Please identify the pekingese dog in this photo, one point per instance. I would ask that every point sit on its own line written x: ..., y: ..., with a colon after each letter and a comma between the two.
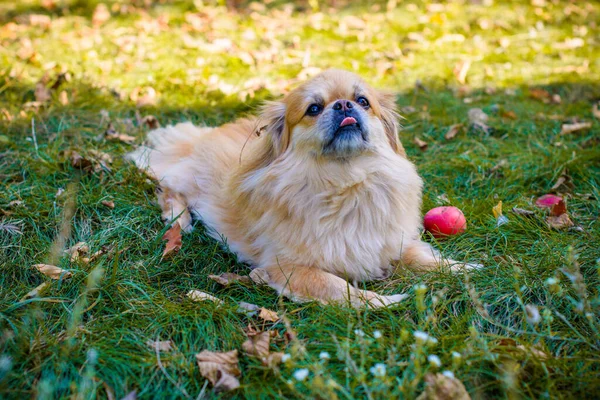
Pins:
x: 315, y: 193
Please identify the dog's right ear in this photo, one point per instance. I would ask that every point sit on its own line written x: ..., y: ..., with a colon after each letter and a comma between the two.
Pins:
x: 272, y: 118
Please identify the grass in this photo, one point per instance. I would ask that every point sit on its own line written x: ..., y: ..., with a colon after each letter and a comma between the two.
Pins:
x: 84, y: 337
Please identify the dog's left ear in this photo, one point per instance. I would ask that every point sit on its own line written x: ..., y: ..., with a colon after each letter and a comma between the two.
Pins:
x: 273, y: 117
x: 389, y: 118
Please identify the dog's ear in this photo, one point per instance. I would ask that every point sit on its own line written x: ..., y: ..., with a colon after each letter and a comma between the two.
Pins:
x: 272, y: 119
x: 389, y: 118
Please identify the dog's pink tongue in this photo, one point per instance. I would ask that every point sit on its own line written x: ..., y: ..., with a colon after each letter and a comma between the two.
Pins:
x: 348, y: 121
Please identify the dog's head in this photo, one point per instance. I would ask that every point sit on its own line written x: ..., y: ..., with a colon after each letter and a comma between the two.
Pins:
x: 334, y: 115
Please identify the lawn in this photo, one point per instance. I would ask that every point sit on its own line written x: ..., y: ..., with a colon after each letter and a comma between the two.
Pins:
x: 79, y: 84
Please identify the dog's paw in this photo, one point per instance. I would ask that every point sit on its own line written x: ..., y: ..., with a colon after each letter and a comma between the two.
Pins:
x: 385, y: 301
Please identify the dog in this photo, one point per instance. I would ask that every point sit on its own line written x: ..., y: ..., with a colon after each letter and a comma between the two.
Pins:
x: 315, y: 193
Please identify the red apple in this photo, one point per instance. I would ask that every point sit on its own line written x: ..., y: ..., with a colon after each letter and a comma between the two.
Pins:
x: 445, y: 221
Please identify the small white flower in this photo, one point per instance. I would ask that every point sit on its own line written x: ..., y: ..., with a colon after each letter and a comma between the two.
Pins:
x: 420, y: 288
x: 324, y: 355
x: 448, y: 374
x: 434, y: 360
x: 285, y: 357
x: 456, y: 356
x: 378, y: 370
x: 301, y: 374
x: 532, y: 314
x: 5, y: 363
x: 92, y: 356
x: 551, y: 281
x: 377, y: 334
x: 421, y: 336
x: 431, y: 340
x: 359, y: 332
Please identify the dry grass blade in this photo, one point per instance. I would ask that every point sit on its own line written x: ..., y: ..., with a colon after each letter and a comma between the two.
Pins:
x: 36, y: 292
x: 52, y: 271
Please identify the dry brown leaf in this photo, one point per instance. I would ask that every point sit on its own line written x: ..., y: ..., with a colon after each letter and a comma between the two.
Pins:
x: 559, y: 222
x: 563, y: 183
x: 478, y: 119
x: 151, y: 121
x: 453, y: 131
x: 173, y: 238
x: 52, y: 271
x: 108, y: 203
x: 442, y: 387
x: 37, y: 291
x: 508, y: 114
x: 258, y: 345
x: 268, y: 315
x: 219, y: 367
x: 558, y: 209
x: 197, y: 295
x: 147, y: 97
x: 78, y: 252
x: 259, y: 276
x: 228, y: 278
x: 576, y: 127
x: 96, y: 161
x: 422, y: 144
x: 112, y: 134
x: 162, y: 345
x: 540, y: 94
x: 42, y: 93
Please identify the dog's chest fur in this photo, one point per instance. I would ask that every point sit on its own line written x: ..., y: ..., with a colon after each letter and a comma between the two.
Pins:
x: 346, y: 218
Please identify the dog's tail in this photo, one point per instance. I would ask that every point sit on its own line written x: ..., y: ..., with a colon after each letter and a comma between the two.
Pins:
x: 165, y: 147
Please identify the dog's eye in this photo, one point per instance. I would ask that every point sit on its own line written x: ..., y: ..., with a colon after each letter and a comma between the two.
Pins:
x: 314, y: 109
x: 363, y: 102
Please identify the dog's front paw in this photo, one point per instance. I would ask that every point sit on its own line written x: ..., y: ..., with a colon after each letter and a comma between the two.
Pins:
x: 385, y: 301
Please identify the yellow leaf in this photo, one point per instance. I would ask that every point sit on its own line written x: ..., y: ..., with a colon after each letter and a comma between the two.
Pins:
x: 268, y: 315
x: 497, y: 209
x: 52, y: 271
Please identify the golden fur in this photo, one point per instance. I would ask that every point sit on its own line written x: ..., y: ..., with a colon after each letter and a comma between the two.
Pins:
x: 308, y: 222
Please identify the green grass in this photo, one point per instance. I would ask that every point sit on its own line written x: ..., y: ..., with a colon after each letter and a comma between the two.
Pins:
x: 85, y: 336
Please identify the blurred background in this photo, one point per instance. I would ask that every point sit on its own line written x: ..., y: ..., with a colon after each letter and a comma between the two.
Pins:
x: 186, y: 53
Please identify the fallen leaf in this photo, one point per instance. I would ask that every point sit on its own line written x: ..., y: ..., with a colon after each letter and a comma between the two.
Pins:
x: 173, y: 238
x: 563, y: 182
x: 96, y: 161
x: 478, y: 119
x: 42, y: 93
x: 101, y: 15
x: 575, y: 127
x: 558, y: 209
x: 461, y: 69
x: 108, y: 203
x: 508, y: 114
x: 112, y: 134
x: 596, y: 111
x: 36, y: 292
x: 422, y: 145
x: 78, y: 252
x: 259, y: 276
x: 220, y: 367
x: 453, y: 131
x: 268, y: 315
x: 63, y: 98
x: 497, y: 211
x: 248, y: 308
x: 150, y: 121
x: 540, y: 94
x: 522, y: 211
x: 52, y: 271
x: 442, y: 387
x: 162, y: 345
x: 228, y: 278
x: 197, y: 295
x: 258, y: 345
x: 147, y: 98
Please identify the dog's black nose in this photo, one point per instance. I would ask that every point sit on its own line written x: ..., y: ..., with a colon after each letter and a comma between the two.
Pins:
x: 343, y: 105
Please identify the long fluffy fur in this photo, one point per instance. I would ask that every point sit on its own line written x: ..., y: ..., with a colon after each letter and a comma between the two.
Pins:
x: 309, y: 224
